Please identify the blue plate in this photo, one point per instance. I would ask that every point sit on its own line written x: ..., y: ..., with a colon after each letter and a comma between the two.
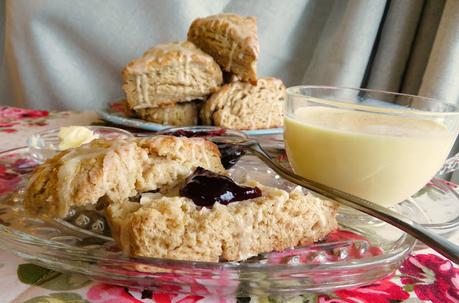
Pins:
x: 122, y: 119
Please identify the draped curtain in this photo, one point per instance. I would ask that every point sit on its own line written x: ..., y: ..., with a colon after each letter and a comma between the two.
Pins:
x: 69, y: 54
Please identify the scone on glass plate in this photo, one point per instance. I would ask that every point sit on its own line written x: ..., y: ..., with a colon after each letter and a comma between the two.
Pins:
x: 168, y: 74
x: 231, y: 40
x: 177, y: 228
x: 170, y: 197
x: 241, y: 105
x: 113, y: 171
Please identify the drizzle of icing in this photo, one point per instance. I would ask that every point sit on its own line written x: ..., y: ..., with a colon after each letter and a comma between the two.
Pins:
x: 185, y: 50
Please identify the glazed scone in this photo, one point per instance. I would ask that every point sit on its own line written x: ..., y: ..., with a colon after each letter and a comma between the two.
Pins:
x: 115, y: 171
x: 180, y: 114
x: 241, y: 105
x: 231, y: 40
x: 175, y: 228
x: 170, y: 73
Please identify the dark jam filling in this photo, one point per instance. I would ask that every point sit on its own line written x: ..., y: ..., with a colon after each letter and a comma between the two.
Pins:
x: 206, y: 188
x: 229, y: 153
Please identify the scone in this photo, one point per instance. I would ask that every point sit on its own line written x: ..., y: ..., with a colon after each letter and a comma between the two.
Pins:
x: 170, y: 73
x: 115, y: 171
x: 175, y: 228
x: 241, y: 105
x: 231, y: 40
x: 179, y: 114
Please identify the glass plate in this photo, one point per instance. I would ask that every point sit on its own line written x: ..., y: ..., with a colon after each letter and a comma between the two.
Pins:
x: 117, y: 113
x: 355, y: 255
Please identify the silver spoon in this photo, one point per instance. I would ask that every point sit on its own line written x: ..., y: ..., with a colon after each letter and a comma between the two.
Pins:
x: 431, y: 239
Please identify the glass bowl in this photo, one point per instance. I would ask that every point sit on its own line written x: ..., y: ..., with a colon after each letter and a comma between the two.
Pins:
x: 355, y: 255
x: 376, y: 145
x: 45, y: 144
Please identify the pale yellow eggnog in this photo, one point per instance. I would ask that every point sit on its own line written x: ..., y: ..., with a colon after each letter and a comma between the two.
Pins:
x: 379, y: 157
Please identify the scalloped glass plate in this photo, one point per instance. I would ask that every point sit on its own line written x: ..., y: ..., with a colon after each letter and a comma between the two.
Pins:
x: 355, y: 255
x: 117, y: 113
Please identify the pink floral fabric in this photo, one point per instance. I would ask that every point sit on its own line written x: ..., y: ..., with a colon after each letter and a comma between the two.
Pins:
x: 423, y: 277
x: 12, y: 116
x: 432, y: 277
x: 8, y: 180
x: 104, y: 293
x: 384, y: 291
x: 427, y: 277
x: 121, y: 107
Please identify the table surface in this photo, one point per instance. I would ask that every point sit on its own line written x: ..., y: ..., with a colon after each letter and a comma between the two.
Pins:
x: 423, y: 277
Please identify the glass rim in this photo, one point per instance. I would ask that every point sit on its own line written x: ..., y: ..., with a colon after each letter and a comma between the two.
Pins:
x: 91, y: 127
x: 294, y: 91
x: 403, y: 245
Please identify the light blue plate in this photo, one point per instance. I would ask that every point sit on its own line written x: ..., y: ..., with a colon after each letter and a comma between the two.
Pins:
x: 121, y: 119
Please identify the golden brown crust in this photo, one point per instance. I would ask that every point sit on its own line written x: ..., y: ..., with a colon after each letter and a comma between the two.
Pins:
x: 175, y: 228
x: 241, y: 105
x: 180, y: 114
x: 231, y: 40
x: 115, y: 170
x: 170, y: 73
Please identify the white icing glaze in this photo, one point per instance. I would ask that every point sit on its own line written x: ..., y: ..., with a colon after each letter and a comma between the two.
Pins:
x: 148, y: 198
x: 138, y: 90
x: 67, y: 172
x: 145, y: 87
x: 233, y: 48
x: 242, y: 29
x: 315, y: 204
x: 245, y: 230
x: 186, y: 50
x: 204, y: 153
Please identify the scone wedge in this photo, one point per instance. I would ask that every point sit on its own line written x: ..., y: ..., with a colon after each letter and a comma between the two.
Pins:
x: 175, y: 228
x: 241, y: 105
x: 231, y: 40
x: 115, y: 171
x: 170, y: 73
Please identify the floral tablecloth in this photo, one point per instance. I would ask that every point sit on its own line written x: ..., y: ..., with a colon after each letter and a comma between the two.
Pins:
x: 423, y: 277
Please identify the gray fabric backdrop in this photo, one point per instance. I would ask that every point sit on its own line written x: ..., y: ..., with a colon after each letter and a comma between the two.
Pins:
x: 69, y: 54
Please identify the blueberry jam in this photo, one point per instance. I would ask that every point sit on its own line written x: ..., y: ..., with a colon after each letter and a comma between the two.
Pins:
x: 206, y: 188
x: 230, y: 153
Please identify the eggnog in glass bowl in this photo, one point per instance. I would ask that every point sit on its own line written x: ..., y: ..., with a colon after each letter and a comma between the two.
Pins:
x: 380, y: 146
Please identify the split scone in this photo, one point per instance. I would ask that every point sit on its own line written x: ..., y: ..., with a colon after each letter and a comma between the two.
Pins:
x: 231, y: 40
x: 114, y: 171
x: 175, y: 228
x: 170, y: 73
x: 179, y: 114
x: 241, y: 105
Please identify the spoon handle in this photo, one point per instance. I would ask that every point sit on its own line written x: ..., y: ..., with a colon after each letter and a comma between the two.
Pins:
x: 428, y: 237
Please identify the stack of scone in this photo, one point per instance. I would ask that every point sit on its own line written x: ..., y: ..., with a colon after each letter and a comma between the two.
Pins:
x: 182, y: 83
